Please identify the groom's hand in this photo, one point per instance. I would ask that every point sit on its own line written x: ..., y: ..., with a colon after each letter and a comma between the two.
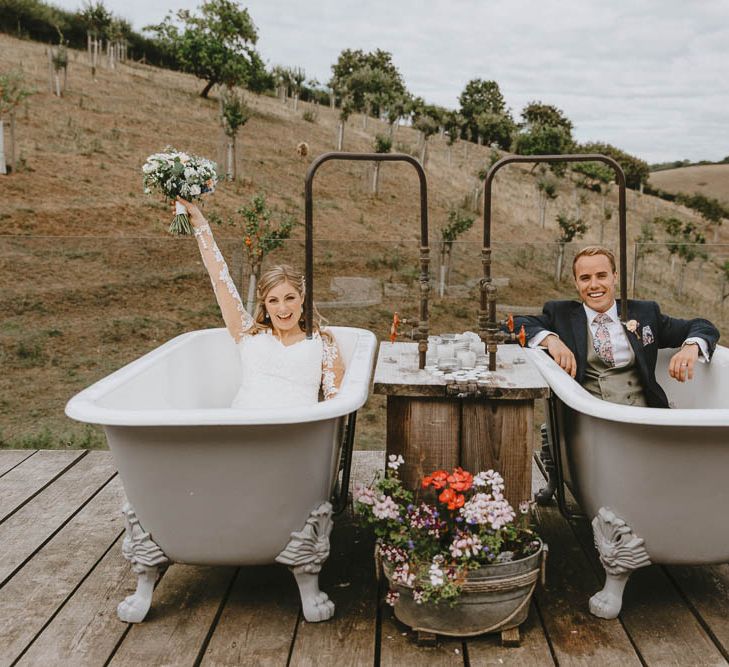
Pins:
x: 561, y: 354
x: 681, y: 366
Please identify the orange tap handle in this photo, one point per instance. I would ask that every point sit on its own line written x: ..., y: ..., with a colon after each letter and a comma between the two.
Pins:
x: 521, y: 337
x: 510, y: 323
x: 393, y: 327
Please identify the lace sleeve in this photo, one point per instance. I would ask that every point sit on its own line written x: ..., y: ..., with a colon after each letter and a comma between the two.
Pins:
x: 236, y: 317
x: 332, y: 367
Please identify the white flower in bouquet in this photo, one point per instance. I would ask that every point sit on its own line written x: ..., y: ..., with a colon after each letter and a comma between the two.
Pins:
x: 179, y: 174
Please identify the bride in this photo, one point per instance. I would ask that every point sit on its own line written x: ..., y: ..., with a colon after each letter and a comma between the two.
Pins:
x: 280, y: 367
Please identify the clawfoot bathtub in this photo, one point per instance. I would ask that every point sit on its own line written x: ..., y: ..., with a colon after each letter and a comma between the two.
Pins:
x: 654, y: 481
x: 208, y: 484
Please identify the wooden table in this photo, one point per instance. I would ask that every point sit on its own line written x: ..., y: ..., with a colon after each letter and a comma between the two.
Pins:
x: 434, y: 427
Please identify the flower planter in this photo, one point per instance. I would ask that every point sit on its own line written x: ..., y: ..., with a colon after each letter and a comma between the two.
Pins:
x: 494, y: 598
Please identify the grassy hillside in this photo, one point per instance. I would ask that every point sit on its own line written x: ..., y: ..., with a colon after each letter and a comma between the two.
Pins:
x: 89, y: 278
x: 711, y: 180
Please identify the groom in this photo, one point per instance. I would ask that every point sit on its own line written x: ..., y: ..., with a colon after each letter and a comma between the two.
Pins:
x: 616, y: 361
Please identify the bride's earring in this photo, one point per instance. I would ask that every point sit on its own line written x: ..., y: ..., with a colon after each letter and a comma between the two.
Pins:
x: 266, y: 317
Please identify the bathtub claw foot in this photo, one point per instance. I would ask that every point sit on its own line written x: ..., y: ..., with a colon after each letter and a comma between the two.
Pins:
x: 305, y: 554
x: 315, y: 603
x: 621, y: 551
x: 608, y: 602
x: 134, y: 608
x: 147, y: 560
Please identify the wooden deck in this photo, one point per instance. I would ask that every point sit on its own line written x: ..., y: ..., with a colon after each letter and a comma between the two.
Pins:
x: 62, y: 575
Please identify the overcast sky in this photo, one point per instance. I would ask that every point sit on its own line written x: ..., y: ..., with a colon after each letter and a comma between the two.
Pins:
x: 649, y: 76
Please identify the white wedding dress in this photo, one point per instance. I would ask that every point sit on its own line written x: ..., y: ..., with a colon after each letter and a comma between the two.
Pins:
x: 274, y: 375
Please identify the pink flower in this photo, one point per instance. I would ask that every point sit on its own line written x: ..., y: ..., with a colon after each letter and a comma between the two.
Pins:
x: 385, y: 508
x: 392, y: 597
x: 364, y: 495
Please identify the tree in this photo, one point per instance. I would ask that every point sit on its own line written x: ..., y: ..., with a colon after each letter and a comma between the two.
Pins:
x: 298, y: 76
x: 685, y: 239
x: 216, y: 46
x: 570, y: 229
x: 453, y: 123
x: 261, y: 237
x: 382, y: 144
x: 13, y: 91
x: 427, y: 119
x: 546, y: 192
x: 479, y: 97
x: 544, y: 130
x: 396, y: 108
x: 636, y: 170
x: 97, y: 19
x: 710, y: 209
x: 458, y: 223
x: 538, y: 113
x: 235, y: 114
x: 495, y: 129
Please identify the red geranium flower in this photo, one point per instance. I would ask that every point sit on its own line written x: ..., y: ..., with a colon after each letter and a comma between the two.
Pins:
x: 460, y: 480
x: 454, y: 500
x: 437, y: 480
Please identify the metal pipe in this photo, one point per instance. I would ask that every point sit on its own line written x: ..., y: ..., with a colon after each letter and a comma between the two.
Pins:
x: 424, y: 248
x: 488, y: 327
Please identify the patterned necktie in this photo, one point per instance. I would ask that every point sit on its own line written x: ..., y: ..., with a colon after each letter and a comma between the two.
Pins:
x: 601, y: 340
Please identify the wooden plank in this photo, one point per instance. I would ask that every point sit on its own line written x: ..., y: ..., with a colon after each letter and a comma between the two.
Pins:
x: 184, y: 608
x: 398, y: 646
x: 498, y: 435
x: 259, y: 620
x: 23, y: 481
x: 514, y: 381
x: 86, y: 629
x: 576, y: 636
x: 348, y: 578
x: 532, y: 652
x: 26, y: 530
x: 34, y: 594
x: 426, y: 432
x: 662, y: 627
x: 707, y: 589
x: 9, y: 458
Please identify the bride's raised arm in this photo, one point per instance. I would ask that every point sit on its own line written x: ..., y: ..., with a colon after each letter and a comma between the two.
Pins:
x: 236, y: 317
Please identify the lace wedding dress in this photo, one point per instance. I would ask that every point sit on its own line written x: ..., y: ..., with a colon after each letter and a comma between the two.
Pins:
x: 274, y: 375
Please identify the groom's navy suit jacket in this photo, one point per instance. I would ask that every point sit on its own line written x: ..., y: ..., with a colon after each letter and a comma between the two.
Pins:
x: 654, y: 330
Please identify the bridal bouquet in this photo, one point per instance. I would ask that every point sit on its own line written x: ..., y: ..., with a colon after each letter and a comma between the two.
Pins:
x: 178, y: 174
x: 462, y: 522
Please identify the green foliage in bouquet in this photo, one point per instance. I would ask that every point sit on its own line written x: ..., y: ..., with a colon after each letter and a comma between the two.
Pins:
x: 179, y: 174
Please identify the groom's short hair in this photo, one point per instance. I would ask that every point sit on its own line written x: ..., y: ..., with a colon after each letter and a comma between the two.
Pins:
x: 591, y: 251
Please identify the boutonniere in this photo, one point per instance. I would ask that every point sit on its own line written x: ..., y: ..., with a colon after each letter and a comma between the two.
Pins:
x: 632, y: 326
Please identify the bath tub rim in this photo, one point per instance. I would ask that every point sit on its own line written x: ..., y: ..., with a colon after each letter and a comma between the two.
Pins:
x: 572, y: 394
x: 352, y: 396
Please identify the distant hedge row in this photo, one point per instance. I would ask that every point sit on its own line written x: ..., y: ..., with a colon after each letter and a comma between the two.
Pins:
x: 33, y: 19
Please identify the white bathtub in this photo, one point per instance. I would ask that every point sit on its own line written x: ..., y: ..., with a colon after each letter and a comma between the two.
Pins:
x: 208, y: 484
x: 655, y: 480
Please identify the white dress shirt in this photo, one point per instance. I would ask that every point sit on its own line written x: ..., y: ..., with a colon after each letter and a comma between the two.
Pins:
x: 618, y: 336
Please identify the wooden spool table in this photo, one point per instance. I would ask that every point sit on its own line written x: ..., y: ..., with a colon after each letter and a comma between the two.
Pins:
x: 434, y: 425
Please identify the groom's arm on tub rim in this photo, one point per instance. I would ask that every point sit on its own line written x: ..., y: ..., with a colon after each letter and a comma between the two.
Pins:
x: 541, y: 332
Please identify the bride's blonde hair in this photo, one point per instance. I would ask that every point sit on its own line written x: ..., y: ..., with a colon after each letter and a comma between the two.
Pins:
x: 273, y: 277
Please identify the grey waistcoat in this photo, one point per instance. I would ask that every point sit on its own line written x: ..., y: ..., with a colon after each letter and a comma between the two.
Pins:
x: 615, y: 384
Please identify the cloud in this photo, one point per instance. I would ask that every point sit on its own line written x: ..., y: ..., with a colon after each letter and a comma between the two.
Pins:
x: 646, y: 76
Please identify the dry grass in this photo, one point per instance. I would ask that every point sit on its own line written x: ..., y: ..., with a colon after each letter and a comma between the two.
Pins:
x: 711, y: 180
x: 89, y: 279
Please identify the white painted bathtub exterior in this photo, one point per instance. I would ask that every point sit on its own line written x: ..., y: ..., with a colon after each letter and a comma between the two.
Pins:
x: 213, y: 484
x: 665, y: 472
